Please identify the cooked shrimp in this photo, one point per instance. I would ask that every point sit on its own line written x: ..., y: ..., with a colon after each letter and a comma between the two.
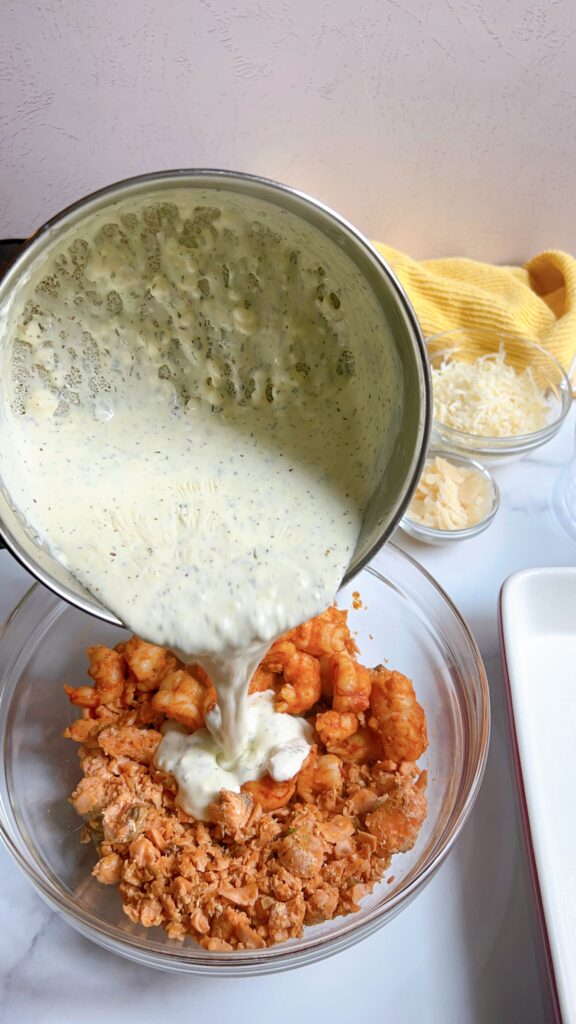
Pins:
x: 184, y: 698
x: 326, y: 633
x: 319, y: 775
x: 359, y: 748
x: 263, y: 680
x: 83, y: 730
x: 108, y: 670
x: 347, y: 681
x: 148, y: 662
x: 398, y: 818
x: 83, y: 696
x: 302, y: 689
x: 334, y: 726
x: 278, y: 657
x: 397, y: 716
x: 301, y: 674
x: 270, y: 794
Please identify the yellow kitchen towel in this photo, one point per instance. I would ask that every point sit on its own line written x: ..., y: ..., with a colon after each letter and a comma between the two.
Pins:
x: 536, y: 301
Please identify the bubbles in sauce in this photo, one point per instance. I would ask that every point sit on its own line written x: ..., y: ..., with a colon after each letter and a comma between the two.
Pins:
x: 193, y: 421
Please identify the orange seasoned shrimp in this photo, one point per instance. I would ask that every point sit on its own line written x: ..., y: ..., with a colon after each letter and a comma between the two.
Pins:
x: 278, y: 656
x: 347, y: 681
x: 325, y: 634
x: 270, y: 794
x: 334, y: 726
x: 398, y: 818
x: 397, y: 716
x: 184, y: 698
x: 302, y: 687
x: 108, y: 670
x: 301, y: 675
x: 148, y: 662
x: 359, y: 748
x: 319, y: 775
x: 263, y: 680
x: 83, y: 730
x: 83, y: 696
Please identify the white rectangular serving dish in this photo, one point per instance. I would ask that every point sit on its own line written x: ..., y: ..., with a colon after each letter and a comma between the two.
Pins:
x: 538, y: 634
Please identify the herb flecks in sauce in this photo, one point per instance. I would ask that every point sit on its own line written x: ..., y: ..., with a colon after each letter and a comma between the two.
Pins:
x: 181, y: 391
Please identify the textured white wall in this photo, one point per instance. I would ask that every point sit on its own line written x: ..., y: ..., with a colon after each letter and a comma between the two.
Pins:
x: 439, y: 126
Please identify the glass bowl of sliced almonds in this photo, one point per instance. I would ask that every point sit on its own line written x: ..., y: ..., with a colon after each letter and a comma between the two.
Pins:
x: 456, y: 498
x: 496, y: 395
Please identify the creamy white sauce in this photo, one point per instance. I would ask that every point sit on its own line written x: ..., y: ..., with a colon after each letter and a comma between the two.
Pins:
x: 274, y: 744
x: 193, y: 420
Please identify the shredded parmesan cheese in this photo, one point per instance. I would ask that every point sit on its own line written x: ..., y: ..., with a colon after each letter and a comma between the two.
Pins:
x: 449, y: 497
x: 488, y: 397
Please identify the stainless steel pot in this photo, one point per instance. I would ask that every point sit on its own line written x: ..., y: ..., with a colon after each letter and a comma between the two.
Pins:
x: 403, y: 467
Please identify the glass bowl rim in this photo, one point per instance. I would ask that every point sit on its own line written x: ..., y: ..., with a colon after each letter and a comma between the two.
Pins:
x: 486, y: 443
x: 280, y: 956
x: 422, y: 532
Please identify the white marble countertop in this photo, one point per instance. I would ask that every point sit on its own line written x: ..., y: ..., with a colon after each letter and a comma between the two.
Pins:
x: 466, y: 950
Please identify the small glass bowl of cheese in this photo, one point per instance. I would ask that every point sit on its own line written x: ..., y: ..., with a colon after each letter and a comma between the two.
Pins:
x: 456, y: 498
x: 496, y: 396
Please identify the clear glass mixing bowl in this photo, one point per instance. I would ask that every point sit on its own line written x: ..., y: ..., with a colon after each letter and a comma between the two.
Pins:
x: 405, y: 619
